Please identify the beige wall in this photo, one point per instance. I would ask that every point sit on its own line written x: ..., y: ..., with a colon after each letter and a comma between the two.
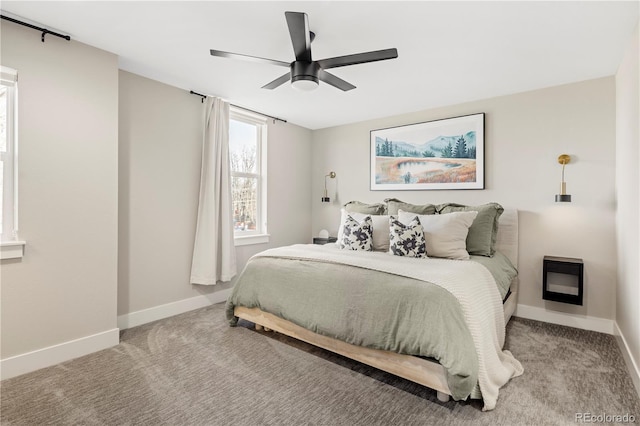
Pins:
x: 524, y: 134
x: 160, y: 154
x: 628, y: 196
x: 159, y: 174
x: 65, y: 286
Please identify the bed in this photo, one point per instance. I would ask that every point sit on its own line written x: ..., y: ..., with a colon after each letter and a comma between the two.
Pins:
x: 436, y: 322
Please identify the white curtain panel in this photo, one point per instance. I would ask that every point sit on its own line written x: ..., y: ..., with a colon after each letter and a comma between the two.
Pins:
x: 214, y: 255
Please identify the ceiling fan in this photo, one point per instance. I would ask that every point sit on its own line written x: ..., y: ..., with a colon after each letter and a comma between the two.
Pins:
x: 305, y: 73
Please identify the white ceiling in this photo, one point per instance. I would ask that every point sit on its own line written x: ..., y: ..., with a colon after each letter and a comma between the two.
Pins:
x: 448, y: 52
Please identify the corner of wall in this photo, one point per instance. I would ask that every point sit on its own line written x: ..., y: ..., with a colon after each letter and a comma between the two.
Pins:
x: 632, y: 366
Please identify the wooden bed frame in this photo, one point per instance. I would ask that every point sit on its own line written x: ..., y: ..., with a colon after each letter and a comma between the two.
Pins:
x: 423, y: 371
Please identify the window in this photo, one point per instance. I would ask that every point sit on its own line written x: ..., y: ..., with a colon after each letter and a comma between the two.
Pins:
x: 11, y: 248
x: 247, y: 154
x: 7, y: 151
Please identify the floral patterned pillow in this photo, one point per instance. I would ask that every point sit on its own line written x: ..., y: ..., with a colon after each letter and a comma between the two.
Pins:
x: 357, y: 235
x: 407, y: 240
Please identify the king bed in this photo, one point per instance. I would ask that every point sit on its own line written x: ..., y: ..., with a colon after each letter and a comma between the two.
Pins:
x: 437, y: 322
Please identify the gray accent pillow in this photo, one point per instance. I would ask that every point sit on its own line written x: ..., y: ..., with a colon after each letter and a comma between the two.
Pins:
x: 357, y: 235
x: 407, y: 240
x: 393, y: 205
x: 481, y: 240
x: 359, y: 207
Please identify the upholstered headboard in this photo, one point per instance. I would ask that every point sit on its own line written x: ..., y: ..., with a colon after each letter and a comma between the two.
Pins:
x: 507, y: 239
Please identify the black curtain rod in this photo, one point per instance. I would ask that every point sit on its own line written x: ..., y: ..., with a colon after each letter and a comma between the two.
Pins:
x: 44, y: 31
x: 246, y: 109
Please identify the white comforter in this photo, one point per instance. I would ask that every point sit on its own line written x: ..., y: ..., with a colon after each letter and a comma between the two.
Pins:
x: 471, y: 283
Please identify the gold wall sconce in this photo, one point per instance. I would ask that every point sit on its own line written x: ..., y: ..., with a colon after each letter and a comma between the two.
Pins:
x: 325, y: 198
x: 563, y: 197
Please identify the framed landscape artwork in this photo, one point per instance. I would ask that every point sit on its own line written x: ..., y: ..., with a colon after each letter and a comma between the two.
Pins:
x: 440, y: 154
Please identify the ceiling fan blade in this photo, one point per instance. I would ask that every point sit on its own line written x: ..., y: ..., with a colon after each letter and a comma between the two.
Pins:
x: 278, y: 81
x: 358, y: 58
x: 230, y: 55
x: 335, y: 81
x: 300, y: 37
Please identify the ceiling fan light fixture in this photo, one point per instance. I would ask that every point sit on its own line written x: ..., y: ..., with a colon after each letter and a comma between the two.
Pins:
x: 304, y: 76
x: 305, y: 83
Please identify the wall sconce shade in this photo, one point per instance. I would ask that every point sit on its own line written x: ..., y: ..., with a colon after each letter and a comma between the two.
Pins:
x: 325, y: 198
x: 563, y: 197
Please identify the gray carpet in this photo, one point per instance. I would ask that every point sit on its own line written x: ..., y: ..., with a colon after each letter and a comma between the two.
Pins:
x: 193, y: 369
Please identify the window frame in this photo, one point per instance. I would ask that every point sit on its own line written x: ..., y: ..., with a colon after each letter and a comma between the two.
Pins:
x: 260, y: 234
x: 10, y: 245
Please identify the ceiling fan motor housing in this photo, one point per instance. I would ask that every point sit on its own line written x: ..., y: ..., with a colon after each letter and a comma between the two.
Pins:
x: 301, y: 70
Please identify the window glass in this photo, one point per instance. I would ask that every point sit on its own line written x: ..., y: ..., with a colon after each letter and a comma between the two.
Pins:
x: 247, y: 139
x: 245, y: 203
x: 243, y: 144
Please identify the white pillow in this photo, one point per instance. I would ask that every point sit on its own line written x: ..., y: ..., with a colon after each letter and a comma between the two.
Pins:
x: 446, y: 234
x: 380, y: 228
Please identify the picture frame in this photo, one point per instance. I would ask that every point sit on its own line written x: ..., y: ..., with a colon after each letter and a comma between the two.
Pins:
x: 439, y: 154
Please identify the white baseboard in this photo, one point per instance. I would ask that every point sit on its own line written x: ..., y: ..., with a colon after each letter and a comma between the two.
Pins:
x: 584, y: 322
x: 52, y: 355
x: 632, y: 365
x: 144, y: 316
